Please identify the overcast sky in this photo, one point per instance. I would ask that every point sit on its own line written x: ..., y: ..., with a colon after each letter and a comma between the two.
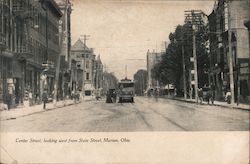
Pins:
x: 122, y: 31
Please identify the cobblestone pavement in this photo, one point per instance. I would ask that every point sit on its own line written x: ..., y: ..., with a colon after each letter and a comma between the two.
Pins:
x: 146, y: 114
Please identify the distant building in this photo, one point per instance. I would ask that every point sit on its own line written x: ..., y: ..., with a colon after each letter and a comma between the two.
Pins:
x: 218, y: 37
x: 152, y: 59
x: 92, y: 68
x: 98, y: 76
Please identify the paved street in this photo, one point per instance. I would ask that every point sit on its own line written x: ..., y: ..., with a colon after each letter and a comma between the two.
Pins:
x: 146, y: 114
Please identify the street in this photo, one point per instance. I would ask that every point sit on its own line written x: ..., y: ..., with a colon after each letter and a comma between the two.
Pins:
x: 146, y: 114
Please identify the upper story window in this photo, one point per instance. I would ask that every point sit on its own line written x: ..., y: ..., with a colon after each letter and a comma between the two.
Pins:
x: 87, y: 76
x: 87, y: 64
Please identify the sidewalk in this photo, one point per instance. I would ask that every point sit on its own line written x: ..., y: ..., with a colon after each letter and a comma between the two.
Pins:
x: 25, y: 111
x: 216, y: 103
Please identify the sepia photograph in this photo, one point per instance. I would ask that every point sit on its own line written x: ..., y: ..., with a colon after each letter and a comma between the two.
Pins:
x: 130, y: 70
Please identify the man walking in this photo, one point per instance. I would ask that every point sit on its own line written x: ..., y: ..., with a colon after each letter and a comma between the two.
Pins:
x: 44, y: 98
x: 200, y: 94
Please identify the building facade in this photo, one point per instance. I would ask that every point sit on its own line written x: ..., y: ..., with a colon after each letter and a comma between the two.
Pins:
x: 219, y: 21
x: 152, y: 59
x: 30, y: 33
x: 92, y: 68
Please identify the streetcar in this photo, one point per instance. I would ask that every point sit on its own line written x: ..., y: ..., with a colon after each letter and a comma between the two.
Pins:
x: 126, y: 90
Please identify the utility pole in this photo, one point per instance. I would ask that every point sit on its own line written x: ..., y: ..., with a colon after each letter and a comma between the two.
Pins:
x: 85, y: 38
x: 195, y: 18
x: 231, y: 75
x: 195, y: 65
x: 183, y: 66
x: 59, y: 57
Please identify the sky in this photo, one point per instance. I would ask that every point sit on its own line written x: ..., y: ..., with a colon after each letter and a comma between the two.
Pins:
x: 122, y: 31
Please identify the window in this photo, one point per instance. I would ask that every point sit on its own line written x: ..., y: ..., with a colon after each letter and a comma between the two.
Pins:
x: 87, y: 76
x: 87, y: 64
x: 88, y: 93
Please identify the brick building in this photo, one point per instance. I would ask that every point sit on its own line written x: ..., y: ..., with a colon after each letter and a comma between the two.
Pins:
x: 218, y: 37
x: 92, y: 68
x: 30, y: 30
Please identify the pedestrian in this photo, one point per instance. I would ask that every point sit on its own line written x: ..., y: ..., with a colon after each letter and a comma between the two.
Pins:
x: 37, y: 98
x: 114, y: 96
x: 73, y: 96
x: 44, y: 98
x: 228, y: 97
x: 8, y: 100
x: 209, y: 96
x: 200, y: 95
x: 30, y: 98
x: 78, y: 96
x: 212, y: 93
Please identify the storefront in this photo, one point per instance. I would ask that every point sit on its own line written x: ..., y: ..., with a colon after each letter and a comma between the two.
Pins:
x: 7, y: 88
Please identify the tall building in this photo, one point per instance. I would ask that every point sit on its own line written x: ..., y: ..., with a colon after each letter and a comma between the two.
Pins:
x: 219, y: 21
x: 29, y: 37
x: 152, y: 59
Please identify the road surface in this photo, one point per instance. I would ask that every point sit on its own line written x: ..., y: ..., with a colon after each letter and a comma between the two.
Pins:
x: 146, y: 114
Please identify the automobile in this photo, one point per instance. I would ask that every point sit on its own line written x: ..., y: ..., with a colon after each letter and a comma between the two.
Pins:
x: 88, y: 95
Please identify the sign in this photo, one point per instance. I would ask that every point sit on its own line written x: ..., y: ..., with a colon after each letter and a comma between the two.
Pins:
x: 244, y: 68
x: 193, y: 82
x: 10, y: 80
x: 192, y: 71
x: 191, y: 59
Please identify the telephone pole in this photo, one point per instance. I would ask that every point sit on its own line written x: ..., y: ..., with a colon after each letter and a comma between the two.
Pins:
x: 61, y: 36
x: 195, y: 18
x: 195, y: 66
x: 85, y: 38
x: 231, y: 75
x: 183, y: 65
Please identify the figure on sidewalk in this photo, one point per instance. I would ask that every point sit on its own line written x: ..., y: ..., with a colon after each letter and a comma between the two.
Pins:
x: 200, y: 95
x: 8, y: 100
x: 30, y: 98
x: 212, y: 88
x: 208, y: 96
x: 44, y: 98
x: 228, y: 97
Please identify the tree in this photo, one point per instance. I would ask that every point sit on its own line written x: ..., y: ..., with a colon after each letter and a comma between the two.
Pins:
x: 110, y: 81
x: 140, y: 78
x: 170, y: 69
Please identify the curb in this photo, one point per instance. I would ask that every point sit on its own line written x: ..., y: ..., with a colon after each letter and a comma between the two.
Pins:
x: 224, y: 106
x: 44, y: 110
